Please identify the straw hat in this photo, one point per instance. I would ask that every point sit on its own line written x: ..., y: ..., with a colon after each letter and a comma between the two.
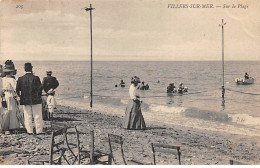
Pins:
x: 9, y: 66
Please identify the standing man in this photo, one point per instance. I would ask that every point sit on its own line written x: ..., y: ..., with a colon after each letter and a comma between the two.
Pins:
x: 49, y: 84
x: 29, y: 89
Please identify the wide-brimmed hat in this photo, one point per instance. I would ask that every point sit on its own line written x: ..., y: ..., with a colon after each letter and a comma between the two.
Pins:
x: 171, y: 84
x: 48, y: 72
x: 9, y: 66
x: 8, y: 70
x: 135, y: 79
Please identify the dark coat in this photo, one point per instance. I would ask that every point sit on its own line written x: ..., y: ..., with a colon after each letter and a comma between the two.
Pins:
x: 49, y: 82
x: 29, y: 89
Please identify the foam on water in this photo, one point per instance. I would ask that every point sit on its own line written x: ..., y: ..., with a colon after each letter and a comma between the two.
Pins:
x: 172, y: 116
x: 166, y: 109
x: 124, y: 101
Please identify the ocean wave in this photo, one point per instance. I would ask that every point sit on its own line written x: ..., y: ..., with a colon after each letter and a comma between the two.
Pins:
x: 207, y: 115
x: 166, y: 109
x: 124, y: 101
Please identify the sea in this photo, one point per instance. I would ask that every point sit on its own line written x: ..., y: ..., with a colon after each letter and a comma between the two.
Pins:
x: 202, y: 107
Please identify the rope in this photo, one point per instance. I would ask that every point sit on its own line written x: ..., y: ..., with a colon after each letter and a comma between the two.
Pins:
x: 242, y: 92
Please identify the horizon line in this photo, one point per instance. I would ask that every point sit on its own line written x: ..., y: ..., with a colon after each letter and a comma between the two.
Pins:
x: 129, y: 60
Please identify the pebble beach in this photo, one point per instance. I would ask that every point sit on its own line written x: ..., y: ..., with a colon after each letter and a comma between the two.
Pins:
x: 198, y: 147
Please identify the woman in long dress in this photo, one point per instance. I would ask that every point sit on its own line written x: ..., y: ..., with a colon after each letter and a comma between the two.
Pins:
x: 133, y: 115
x: 9, y: 119
x: 1, y: 86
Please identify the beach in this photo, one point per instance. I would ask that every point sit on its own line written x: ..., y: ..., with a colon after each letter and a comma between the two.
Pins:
x: 198, y: 147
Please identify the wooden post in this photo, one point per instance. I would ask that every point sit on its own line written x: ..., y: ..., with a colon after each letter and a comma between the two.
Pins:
x: 223, y: 84
x: 91, y: 91
x: 91, y: 64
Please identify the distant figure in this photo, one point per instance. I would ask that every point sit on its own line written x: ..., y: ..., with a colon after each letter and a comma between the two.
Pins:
x: 180, y: 89
x: 142, y: 86
x: 147, y: 86
x: 115, y: 85
x: 49, y: 84
x: 133, y: 115
x: 122, y: 83
x: 170, y: 88
x: 158, y: 81
x: 246, y: 76
x: 29, y: 89
x: 223, y: 91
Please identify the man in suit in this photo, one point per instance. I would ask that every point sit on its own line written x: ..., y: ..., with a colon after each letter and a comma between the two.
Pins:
x: 49, y: 82
x: 29, y: 89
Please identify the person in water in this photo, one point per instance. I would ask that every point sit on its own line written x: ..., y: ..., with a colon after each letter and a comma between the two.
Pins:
x: 122, y: 83
x: 181, y: 88
x: 246, y: 76
x: 133, y: 118
x: 142, y: 86
x: 147, y: 86
x: 170, y: 88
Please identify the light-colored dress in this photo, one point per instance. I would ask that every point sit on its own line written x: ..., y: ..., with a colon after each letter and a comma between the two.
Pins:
x: 133, y: 115
x: 9, y: 120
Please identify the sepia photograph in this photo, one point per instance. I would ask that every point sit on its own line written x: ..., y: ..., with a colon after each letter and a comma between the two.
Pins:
x: 140, y: 82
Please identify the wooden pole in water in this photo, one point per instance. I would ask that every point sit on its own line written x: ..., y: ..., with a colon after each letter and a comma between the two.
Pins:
x: 223, y: 84
x: 91, y: 91
x: 223, y: 52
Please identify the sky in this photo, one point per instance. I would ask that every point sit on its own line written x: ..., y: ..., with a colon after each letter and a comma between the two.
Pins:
x: 136, y: 30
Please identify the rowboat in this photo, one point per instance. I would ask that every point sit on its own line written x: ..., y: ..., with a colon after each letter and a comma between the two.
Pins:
x: 243, y: 81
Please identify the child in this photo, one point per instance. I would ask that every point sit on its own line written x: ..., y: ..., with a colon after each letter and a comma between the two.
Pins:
x: 51, y: 103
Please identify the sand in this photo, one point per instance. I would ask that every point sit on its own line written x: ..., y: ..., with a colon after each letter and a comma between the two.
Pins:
x: 198, y: 147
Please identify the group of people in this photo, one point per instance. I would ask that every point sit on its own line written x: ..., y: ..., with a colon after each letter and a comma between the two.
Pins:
x: 133, y: 118
x: 121, y: 84
x: 172, y: 89
x: 21, y: 100
x: 143, y: 86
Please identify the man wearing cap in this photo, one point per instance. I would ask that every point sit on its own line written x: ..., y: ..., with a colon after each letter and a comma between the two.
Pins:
x: 49, y: 83
x: 29, y: 89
